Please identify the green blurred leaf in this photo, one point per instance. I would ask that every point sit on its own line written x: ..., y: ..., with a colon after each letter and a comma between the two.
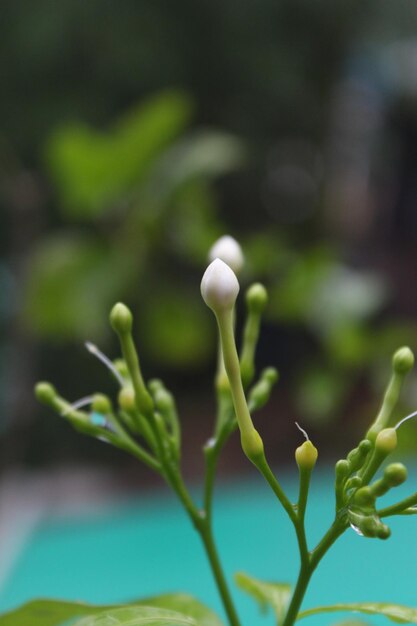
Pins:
x: 137, y: 616
x: 48, y: 613
x: 292, y: 297
x: 395, y: 612
x: 74, y: 281
x: 320, y: 392
x: 92, y: 170
x: 351, y: 622
x: 276, y: 595
x: 57, y: 613
x: 183, y: 603
x: 202, y: 155
x: 178, y: 330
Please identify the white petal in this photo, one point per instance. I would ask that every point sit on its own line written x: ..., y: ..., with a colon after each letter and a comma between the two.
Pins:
x: 219, y: 286
x: 228, y: 250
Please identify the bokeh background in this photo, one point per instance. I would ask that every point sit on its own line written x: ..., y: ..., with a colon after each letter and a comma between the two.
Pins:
x: 133, y: 134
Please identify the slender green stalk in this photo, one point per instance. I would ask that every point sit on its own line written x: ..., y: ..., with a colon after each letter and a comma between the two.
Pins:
x: 307, y: 569
x: 211, y: 551
x: 399, y: 507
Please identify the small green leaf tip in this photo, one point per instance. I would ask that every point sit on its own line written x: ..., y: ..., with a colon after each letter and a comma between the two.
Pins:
x: 45, y: 392
x: 306, y: 456
x: 121, y: 319
x: 403, y: 360
x: 256, y: 298
x: 219, y: 286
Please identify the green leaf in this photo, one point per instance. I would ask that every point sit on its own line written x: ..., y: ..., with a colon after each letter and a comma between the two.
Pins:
x: 57, y: 613
x: 183, y: 603
x: 137, y: 616
x: 351, y: 622
x: 395, y: 612
x: 48, y: 613
x: 276, y: 595
x: 92, y: 169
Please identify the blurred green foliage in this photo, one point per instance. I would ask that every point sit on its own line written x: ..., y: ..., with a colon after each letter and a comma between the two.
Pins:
x: 131, y: 198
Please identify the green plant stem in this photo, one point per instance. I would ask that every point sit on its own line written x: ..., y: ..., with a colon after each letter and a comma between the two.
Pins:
x: 399, y: 507
x: 202, y: 523
x: 307, y: 569
x: 211, y: 551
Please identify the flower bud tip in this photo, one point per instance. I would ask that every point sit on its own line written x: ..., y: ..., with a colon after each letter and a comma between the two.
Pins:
x: 121, y: 318
x: 386, y: 441
x: 403, y: 360
x: 219, y: 286
x: 45, y: 392
x: 256, y: 298
x: 229, y: 251
x: 306, y: 456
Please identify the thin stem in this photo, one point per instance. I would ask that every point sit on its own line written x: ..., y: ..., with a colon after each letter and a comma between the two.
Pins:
x: 211, y: 551
x: 399, y: 507
x: 269, y: 476
x: 307, y: 570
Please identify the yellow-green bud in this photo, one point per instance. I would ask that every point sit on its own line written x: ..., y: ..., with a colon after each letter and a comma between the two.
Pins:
x: 252, y: 444
x: 256, y: 298
x: 101, y: 404
x: 306, y: 456
x: 121, y: 319
x: 126, y: 399
x: 386, y: 441
x: 403, y: 360
x: 395, y: 474
x: 270, y: 374
x: 45, y: 392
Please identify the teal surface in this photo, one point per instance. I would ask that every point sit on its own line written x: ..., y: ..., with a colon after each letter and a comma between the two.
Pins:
x: 147, y: 547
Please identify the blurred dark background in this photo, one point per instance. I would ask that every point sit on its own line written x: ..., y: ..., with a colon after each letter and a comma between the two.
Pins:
x: 133, y: 134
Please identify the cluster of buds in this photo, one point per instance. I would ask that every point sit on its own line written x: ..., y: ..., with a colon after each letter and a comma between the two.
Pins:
x: 356, y: 495
x: 145, y: 422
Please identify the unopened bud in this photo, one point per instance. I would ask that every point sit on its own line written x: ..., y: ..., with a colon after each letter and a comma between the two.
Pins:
x: 126, y: 399
x: 403, y: 360
x: 121, y: 319
x: 101, y: 404
x: 252, y: 444
x: 256, y: 298
x: 395, y: 474
x: 386, y: 441
x: 219, y: 286
x: 229, y: 251
x: 306, y: 456
x: 45, y: 392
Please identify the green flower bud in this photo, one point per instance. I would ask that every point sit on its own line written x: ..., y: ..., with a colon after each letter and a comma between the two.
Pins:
x: 45, y: 392
x: 395, y: 474
x: 403, y: 360
x: 256, y: 298
x: 252, y: 444
x: 306, y: 456
x: 121, y: 319
x: 386, y: 441
x: 126, y: 399
x: 101, y: 404
x: 219, y: 286
x: 364, y: 497
x: 121, y: 367
x: 342, y: 469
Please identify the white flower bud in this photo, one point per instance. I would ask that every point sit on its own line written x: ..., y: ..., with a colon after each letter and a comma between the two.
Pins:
x: 219, y: 286
x: 228, y: 250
